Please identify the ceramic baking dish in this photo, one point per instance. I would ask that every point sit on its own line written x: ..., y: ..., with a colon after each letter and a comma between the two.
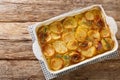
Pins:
x: 37, y: 49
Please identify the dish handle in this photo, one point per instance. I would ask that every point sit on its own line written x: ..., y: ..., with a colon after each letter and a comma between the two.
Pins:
x: 37, y: 51
x: 113, y: 25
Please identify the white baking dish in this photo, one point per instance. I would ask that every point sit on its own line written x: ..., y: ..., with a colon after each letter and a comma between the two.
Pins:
x: 37, y: 49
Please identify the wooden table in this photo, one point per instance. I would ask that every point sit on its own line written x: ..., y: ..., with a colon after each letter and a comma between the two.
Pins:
x: 17, y: 61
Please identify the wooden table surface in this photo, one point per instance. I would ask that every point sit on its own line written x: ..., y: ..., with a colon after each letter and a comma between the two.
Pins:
x: 17, y: 61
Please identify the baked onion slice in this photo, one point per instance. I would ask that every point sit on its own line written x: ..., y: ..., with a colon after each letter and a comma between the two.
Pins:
x: 60, y: 47
x: 48, y: 50
x: 56, y: 63
x: 70, y: 22
x: 89, y: 52
x: 75, y: 57
x: 56, y: 27
x: 85, y: 45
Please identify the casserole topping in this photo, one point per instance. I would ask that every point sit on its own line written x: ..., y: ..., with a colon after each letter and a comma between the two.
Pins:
x: 75, y: 39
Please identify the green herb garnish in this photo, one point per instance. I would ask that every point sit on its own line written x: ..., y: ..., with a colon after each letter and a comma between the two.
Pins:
x: 107, y: 44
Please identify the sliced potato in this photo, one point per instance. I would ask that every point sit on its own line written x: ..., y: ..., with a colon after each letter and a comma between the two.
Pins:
x: 110, y: 41
x: 60, y: 47
x: 55, y: 36
x: 68, y: 36
x: 56, y: 63
x: 79, y: 18
x: 82, y: 21
x: 97, y: 15
x: 85, y: 45
x: 94, y: 34
x: 89, y: 15
x: 104, y: 44
x: 72, y: 45
x: 95, y: 43
x: 56, y: 27
x: 80, y: 34
x: 107, y: 43
x: 44, y: 34
x: 66, y: 59
x: 48, y: 37
x: 89, y: 52
x: 48, y: 50
x: 70, y: 22
x: 83, y: 26
x: 75, y: 57
x: 105, y: 32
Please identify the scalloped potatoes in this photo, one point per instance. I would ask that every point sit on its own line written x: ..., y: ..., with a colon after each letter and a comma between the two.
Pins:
x: 74, y: 39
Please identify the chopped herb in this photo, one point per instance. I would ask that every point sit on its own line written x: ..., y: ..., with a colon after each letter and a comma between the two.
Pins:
x: 66, y: 57
x: 44, y: 33
x: 59, y: 56
x: 107, y: 44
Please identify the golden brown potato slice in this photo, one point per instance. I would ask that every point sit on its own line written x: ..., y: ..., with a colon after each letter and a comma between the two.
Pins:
x: 89, y: 52
x: 68, y: 36
x: 44, y: 35
x: 89, y: 15
x: 56, y: 27
x: 105, y: 32
x: 48, y: 50
x: 60, y: 47
x: 55, y: 36
x: 80, y: 34
x: 56, y: 63
x: 107, y: 43
x: 75, y: 57
x: 72, y: 45
x: 47, y: 37
x: 79, y: 18
x: 83, y: 26
x: 94, y: 34
x: 97, y: 15
x: 70, y: 22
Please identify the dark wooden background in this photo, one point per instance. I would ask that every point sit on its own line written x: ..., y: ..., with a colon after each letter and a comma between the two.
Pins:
x: 17, y: 61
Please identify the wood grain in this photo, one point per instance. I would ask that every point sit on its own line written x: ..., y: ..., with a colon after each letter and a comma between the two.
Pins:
x: 20, y: 50
x: 30, y: 70
x: 20, y: 70
x: 38, y: 10
x: 15, y: 31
